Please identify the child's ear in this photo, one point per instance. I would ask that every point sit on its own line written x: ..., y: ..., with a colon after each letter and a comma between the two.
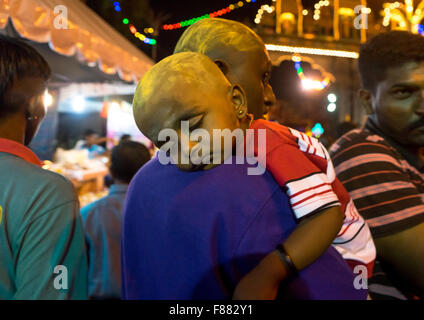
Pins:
x: 222, y: 66
x: 238, y: 98
x: 365, y: 99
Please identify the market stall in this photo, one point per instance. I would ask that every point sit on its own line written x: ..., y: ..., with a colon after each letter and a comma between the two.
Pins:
x: 89, y: 60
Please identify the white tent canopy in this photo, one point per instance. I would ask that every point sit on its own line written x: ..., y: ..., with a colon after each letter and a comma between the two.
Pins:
x: 87, y: 35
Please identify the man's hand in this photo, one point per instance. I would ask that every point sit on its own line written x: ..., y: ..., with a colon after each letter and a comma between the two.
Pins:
x: 263, y: 281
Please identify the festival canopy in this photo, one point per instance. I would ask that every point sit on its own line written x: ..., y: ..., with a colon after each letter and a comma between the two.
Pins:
x: 72, y: 29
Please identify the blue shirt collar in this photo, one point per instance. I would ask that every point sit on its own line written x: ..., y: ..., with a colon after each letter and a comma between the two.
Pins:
x: 118, y: 188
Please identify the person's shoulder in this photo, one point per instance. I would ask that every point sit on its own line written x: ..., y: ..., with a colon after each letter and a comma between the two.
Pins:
x: 94, y: 209
x: 359, y: 141
x: 275, y: 133
x: 31, y: 174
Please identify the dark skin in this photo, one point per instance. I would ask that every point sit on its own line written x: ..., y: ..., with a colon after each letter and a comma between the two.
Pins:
x: 252, y: 71
x: 28, y: 92
x: 215, y: 104
x: 397, y: 106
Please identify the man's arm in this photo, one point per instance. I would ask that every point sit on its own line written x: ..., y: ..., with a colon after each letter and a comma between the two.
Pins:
x: 51, y: 262
x: 404, y: 252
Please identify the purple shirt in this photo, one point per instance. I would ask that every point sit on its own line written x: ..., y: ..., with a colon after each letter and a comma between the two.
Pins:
x: 194, y: 235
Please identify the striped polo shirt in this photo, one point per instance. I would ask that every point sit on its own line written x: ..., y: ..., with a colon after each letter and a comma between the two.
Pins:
x: 381, y: 178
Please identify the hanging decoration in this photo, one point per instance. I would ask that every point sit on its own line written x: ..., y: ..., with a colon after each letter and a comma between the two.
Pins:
x: 404, y: 16
x: 264, y: 8
x: 309, y: 84
x: 215, y: 14
x: 132, y: 28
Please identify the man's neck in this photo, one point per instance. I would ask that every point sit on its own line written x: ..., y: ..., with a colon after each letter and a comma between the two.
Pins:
x: 414, y: 155
x: 13, y: 128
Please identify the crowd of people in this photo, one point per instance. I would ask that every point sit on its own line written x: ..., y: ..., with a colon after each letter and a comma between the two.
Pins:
x: 192, y: 223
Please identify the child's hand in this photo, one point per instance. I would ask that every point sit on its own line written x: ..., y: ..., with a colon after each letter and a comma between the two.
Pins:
x: 263, y: 281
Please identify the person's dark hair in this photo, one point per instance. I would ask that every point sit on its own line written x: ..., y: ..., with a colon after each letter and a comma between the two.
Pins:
x: 125, y: 137
x: 18, y: 60
x: 89, y: 132
x: 388, y: 50
x: 127, y: 158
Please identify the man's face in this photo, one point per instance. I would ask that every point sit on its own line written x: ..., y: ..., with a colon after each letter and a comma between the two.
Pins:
x: 28, y: 94
x: 398, y: 104
x: 91, y: 139
x: 252, y: 70
x: 206, y: 109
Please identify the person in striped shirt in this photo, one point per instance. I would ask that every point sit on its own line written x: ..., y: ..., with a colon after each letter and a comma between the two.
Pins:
x: 381, y: 164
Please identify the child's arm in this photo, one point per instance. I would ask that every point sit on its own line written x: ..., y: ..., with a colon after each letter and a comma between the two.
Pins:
x: 306, y: 244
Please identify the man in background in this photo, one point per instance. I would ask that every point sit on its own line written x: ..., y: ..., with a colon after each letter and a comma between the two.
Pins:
x: 42, y: 251
x: 92, y: 143
x: 102, y: 222
x: 380, y: 164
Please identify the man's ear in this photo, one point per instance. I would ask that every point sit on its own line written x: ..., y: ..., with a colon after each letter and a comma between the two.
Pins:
x: 238, y: 98
x: 365, y: 99
x: 222, y: 65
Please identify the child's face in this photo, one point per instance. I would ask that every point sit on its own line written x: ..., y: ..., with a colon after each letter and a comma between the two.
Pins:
x: 203, y: 108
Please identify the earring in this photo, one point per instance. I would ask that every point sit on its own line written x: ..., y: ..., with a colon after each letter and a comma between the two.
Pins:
x: 241, y: 112
x: 30, y: 117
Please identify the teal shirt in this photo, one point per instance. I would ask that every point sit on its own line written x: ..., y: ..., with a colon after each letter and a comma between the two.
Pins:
x: 102, y: 225
x: 40, y: 229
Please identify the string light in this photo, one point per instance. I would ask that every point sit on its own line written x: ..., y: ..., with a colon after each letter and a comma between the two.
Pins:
x: 47, y: 99
x: 133, y: 29
x: 318, y: 6
x: 317, y: 130
x: 309, y: 84
x: 313, y: 51
x: 331, y: 107
x: 215, y: 14
x: 346, y: 12
x: 262, y: 10
x: 404, y: 15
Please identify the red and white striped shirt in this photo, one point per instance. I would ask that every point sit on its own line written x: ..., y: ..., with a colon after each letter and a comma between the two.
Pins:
x: 302, y: 166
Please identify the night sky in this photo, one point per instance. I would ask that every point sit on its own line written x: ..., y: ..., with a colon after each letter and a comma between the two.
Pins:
x: 296, y: 108
x: 178, y: 10
x: 187, y: 9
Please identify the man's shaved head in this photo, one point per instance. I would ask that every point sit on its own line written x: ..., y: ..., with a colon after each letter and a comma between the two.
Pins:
x: 171, y: 82
x: 241, y: 55
x: 212, y: 36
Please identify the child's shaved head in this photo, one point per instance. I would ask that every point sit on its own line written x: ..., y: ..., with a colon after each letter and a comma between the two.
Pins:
x: 166, y: 89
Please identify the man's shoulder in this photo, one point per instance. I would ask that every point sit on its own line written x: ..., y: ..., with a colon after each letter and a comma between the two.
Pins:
x: 359, y: 142
x: 33, y: 180
x: 98, y: 207
x: 155, y: 180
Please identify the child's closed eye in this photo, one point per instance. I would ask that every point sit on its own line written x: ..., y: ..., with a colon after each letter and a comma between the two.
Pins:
x: 195, y: 122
